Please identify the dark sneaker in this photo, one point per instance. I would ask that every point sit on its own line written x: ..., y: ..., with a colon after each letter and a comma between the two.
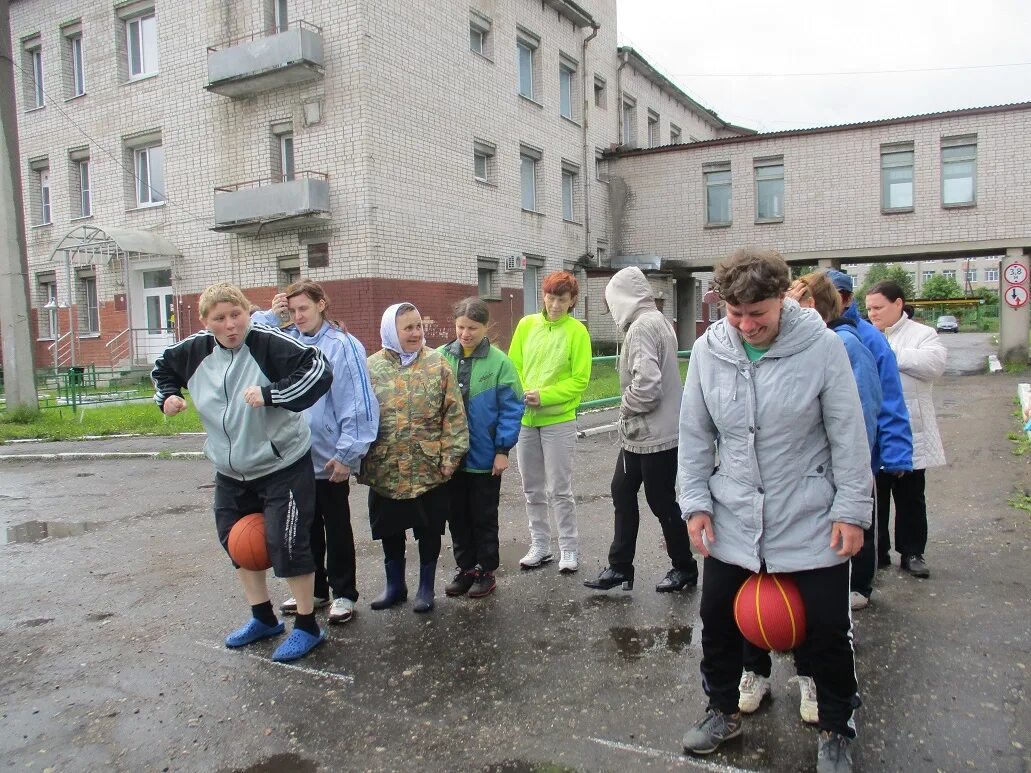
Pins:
x: 484, y: 585
x: 677, y: 579
x: 916, y: 566
x: 609, y: 579
x: 834, y: 754
x: 714, y: 729
x: 461, y: 584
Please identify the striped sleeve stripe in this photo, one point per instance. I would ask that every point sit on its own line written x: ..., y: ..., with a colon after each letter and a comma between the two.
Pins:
x: 303, y: 385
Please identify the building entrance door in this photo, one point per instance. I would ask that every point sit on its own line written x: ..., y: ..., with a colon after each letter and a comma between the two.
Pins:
x: 157, y: 331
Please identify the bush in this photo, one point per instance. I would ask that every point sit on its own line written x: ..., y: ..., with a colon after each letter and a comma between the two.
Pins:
x: 20, y: 415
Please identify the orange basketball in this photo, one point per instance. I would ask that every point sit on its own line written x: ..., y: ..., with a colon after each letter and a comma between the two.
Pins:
x: 769, y: 612
x: 247, y: 543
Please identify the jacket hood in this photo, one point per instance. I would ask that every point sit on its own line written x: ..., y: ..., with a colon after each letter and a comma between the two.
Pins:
x: 628, y: 294
x: 799, y: 329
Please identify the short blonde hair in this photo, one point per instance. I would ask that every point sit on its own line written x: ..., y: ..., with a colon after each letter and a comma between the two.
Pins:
x: 223, y: 292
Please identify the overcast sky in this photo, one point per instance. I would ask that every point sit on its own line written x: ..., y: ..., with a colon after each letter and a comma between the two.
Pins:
x: 700, y: 44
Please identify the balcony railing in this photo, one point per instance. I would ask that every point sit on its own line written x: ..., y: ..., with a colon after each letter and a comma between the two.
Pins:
x: 262, y: 61
x: 272, y: 203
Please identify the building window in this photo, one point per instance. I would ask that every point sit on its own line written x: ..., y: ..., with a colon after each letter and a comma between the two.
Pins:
x: 600, y: 92
x: 570, y: 177
x: 281, y: 15
x: 949, y: 273
x: 141, y: 42
x: 74, y: 72
x: 528, y: 161
x: 928, y: 275
x: 897, y: 177
x: 286, y: 156
x: 601, y: 254
x: 629, y: 121
x: 47, y: 297
x: 484, y: 154
x: 289, y: 270
x: 35, y: 97
x: 150, y: 176
x: 653, y: 129
x: 88, y: 302
x: 769, y: 189
x: 601, y: 166
x: 567, y: 88
x: 971, y: 274
x: 991, y: 275
x: 487, y: 278
x: 80, y: 183
x: 480, y: 40
x: 526, y: 48
x: 674, y: 134
x: 41, y: 211
x: 959, y: 171
x: 717, y: 193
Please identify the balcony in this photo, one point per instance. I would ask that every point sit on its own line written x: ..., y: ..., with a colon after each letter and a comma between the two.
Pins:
x: 264, y: 61
x: 270, y: 205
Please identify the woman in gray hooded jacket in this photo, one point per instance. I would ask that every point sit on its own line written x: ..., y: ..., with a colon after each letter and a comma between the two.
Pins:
x: 771, y: 396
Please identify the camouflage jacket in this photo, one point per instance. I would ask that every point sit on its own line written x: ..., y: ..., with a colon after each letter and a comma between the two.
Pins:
x: 422, y: 425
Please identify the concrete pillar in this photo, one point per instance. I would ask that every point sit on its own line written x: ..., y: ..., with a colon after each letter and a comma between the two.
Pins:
x: 686, y: 319
x: 824, y: 263
x: 1014, y: 323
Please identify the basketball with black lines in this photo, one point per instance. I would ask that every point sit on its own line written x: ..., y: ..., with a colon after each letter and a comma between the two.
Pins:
x: 769, y: 612
x: 247, y: 543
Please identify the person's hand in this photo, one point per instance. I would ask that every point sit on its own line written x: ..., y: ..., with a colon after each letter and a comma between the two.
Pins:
x: 849, y: 536
x: 280, y: 305
x: 253, y: 397
x: 700, y: 523
x: 447, y: 470
x: 1027, y: 412
x: 500, y: 464
x: 338, y: 471
x: 173, y: 404
x: 532, y: 398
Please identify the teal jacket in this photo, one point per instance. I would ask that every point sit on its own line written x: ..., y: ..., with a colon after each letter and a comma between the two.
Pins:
x: 555, y: 358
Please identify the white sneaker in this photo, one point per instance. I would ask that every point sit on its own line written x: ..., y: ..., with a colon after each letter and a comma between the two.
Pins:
x: 341, y: 610
x: 569, y: 561
x: 538, y: 555
x: 753, y: 689
x: 808, y: 708
x: 289, y: 607
x: 857, y: 600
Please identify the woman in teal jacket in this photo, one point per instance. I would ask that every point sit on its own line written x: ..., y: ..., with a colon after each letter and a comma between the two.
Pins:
x: 552, y: 354
x: 493, y: 402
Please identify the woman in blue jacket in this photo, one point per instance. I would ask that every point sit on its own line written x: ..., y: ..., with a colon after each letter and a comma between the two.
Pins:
x: 343, y: 425
x: 493, y: 401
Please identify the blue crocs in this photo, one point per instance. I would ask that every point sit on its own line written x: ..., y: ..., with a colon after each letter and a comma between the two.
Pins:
x: 254, y: 631
x: 298, y: 644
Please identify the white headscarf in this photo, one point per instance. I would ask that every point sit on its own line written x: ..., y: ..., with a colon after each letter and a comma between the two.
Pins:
x: 388, y: 335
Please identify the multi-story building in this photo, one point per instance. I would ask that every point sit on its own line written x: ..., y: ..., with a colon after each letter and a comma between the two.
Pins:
x: 970, y: 273
x: 390, y: 150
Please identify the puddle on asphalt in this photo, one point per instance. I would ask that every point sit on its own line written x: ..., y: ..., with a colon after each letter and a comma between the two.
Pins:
x: 635, y: 643
x: 37, y: 531
x: 279, y: 763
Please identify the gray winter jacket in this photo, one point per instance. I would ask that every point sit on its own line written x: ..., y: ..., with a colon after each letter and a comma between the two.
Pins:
x: 793, y: 455
x: 649, y: 376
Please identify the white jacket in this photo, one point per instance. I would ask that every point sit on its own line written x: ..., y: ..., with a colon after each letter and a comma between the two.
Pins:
x: 921, y: 358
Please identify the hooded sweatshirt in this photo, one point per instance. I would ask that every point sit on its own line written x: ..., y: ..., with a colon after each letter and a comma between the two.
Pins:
x: 649, y: 375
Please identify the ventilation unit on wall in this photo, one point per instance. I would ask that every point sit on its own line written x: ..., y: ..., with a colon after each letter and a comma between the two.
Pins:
x: 515, y: 263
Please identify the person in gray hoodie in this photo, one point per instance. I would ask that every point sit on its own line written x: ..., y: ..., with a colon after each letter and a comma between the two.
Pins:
x: 649, y: 378
x: 774, y: 475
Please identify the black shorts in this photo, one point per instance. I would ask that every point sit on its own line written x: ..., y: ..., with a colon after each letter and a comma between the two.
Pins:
x: 287, y: 498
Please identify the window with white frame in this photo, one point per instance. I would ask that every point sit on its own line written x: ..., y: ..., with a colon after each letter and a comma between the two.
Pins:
x: 717, y: 193
x: 46, y: 285
x: 601, y: 96
x: 281, y: 15
x: 601, y: 166
x: 959, y: 170
x: 529, y: 62
x: 487, y: 278
x: 286, y: 156
x: 897, y: 177
x: 675, y: 134
x: 32, y: 69
x: 480, y: 39
x: 149, y: 163
x: 927, y: 275
x: 288, y: 269
x: 629, y: 122
x: 74, y: 71
x: 88, y: 301
x: 79, y: 189
x: 570, y: 197
x: 141, y: 44
x: 769, y: 189
x: 653, y: 129
x: 529, y: 158
x: 991, y: 275
x: 567, y: 87
x: 971, y: 274
x: 40, y: 201
x: 484, y: 155
x: 949, y: 273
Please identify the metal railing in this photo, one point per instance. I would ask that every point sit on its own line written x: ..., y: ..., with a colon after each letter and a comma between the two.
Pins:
x: 61, y: 350
x: 265, y: 33
x: 131, y: 345
x: 302, y: 174
x: 118, y: 348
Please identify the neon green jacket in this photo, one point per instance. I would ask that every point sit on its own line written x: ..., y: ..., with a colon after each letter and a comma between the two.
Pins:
x: 554, y: 357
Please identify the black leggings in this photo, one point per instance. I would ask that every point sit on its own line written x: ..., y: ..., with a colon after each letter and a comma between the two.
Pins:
x: 429, y: 546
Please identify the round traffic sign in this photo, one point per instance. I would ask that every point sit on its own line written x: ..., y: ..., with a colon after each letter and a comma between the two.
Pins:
x: 1016, y: 296
x: 1015, y: 274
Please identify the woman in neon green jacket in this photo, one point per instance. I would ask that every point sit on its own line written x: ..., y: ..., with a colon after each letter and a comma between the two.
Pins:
x: 552, y: 354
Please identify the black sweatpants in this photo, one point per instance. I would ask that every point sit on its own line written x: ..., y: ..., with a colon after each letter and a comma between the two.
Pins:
x: 826, y: 655
x: 910, y: 513
x: 332, y: 541
x: 658, y: 473
x: 864, y: 563
x: 473, y: 519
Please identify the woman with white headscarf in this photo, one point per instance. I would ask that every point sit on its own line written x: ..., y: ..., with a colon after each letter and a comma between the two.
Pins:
x: 422, y: 438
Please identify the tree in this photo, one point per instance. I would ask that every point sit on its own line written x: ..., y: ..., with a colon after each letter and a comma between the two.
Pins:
x: 801, y: 269
x: 880, y: 272
x: 941, y: 286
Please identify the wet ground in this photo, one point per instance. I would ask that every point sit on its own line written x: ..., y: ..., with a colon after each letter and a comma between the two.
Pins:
x: 117, y: 597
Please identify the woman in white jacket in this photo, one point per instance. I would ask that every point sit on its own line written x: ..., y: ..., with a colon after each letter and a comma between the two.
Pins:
x: 921, y: 358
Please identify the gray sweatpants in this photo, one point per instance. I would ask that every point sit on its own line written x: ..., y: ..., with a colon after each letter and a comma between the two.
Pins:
x: 545, y: 457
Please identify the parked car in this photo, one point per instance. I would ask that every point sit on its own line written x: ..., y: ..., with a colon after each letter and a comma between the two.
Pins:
x: 947, y: 324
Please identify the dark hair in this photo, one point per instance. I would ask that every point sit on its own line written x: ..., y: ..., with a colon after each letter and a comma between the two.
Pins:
x: 315, y: 292
x: 559, y: 282
x: 474, y: 308
x: 889, y: 289
x: 751, y: 275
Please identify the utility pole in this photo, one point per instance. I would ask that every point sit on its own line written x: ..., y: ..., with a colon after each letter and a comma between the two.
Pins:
x: 19, y: 370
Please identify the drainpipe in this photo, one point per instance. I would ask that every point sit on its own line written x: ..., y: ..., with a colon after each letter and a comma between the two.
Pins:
x: 587, y: 148
x: 623, y: 57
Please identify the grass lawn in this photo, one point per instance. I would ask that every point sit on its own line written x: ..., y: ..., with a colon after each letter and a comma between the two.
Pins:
x: 605, y: 380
